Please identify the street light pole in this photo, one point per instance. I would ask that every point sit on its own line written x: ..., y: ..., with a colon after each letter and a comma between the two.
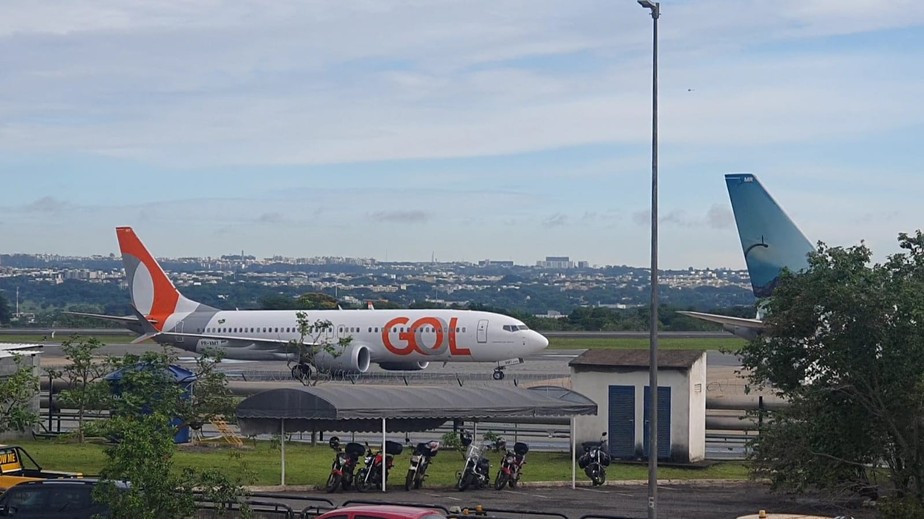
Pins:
x: 655, y: 8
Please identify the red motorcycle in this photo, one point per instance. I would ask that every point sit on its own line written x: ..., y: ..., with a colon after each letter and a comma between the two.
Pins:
x: 511, y: 466
x: 345, y: 461
x: 370, y: 476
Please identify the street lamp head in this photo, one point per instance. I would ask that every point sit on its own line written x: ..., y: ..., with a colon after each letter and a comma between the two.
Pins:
x: 655, y: 7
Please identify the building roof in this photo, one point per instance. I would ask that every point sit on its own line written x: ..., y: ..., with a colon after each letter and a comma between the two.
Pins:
x: 9, y: 349
x: 405, y: 408
x: 667, y: 359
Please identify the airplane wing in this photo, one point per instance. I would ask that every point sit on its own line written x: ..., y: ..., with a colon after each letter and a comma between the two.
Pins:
x: 728, y: 321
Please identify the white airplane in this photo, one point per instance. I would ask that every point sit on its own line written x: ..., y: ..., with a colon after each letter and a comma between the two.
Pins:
x: 770, y: 242
x: 393, y: 339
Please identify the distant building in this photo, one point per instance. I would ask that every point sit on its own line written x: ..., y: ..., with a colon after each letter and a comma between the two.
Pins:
x: 556, y: 262
x: 495, y: 263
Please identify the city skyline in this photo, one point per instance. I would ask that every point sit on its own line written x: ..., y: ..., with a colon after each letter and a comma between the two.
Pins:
x: 463, y: 131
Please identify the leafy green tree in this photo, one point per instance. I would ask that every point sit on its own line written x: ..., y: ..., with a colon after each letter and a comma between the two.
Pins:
x: 845, y: 346
x: 17, y: 393
x: 315, y: 339
x: 316, y: 301
x: 146, y: 411
x: 83, y: 377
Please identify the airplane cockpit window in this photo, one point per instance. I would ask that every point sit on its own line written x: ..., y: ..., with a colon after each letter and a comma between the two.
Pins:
x: 523, y: 327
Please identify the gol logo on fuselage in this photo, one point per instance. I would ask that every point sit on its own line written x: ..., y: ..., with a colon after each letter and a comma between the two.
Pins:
x: 412, y: 340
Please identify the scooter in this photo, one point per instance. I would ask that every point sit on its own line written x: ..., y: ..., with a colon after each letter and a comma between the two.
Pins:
x: 370, y: 476
x: 595, y: 459
x: 420, y: 460
x: 477, y: 470
x: 344, y: 464
x: 511, y: 466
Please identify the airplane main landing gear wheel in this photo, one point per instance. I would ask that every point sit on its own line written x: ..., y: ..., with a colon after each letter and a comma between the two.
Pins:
x: 301, y: 371
x: 498, y: 374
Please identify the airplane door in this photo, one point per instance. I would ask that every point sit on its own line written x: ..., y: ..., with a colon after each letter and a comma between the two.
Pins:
x: 483, y: 330
x: 179, y: 329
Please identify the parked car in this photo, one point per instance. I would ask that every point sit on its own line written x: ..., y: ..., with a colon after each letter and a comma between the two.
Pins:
x: 382, y: 512
x: 52, y: 499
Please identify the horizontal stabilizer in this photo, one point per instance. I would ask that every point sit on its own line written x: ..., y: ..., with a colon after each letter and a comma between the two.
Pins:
x: 116, y: 318
x: 725, y: 320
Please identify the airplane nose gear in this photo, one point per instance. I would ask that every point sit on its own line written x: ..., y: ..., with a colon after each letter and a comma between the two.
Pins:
x: 502, y: 365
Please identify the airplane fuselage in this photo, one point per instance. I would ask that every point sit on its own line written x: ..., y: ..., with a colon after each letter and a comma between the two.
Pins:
x: 389, y: 335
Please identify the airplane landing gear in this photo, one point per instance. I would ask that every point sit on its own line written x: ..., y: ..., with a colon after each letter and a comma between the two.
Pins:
x: 301, y: 371
x: 501, y: 366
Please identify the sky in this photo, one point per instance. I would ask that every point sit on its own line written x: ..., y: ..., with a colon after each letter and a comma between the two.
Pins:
x: 460, y: 130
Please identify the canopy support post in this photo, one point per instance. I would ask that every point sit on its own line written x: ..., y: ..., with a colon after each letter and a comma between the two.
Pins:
x: 573, y: 457
x: 384, y: 456
x: 282, y: 448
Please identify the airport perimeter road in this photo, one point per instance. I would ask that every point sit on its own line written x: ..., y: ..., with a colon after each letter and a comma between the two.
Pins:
x: 694, y: 500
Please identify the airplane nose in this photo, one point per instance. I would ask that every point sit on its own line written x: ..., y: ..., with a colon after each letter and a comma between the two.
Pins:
x: 539, y: 341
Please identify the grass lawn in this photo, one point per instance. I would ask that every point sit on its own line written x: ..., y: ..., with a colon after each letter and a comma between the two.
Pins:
x: 259, y: 464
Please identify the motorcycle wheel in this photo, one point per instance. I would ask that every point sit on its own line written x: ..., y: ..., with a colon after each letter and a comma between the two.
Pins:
x: 500, y: 480
x: 362, y: 482
x: 409, y: 480
x: 333, y: 482
x: 465, y: 480
x: 421, y: 474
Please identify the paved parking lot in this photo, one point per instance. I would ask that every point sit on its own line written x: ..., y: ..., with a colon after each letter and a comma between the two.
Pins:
x: 700, y: 500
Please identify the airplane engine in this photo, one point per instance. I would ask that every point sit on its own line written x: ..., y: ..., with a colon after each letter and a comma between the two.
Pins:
x: 403, y: 366
x: 353, y: 359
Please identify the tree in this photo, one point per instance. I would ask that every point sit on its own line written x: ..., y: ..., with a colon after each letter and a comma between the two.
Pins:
x: 315, y: 301
x: 844, y: 344
x: 5, y: 312
x: 314, y: 344
x: 146, y: 411
x: 17, y: 393
x: 83, y: 376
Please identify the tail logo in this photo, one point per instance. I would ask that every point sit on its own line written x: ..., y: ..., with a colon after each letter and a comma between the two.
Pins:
x: 152, y: 293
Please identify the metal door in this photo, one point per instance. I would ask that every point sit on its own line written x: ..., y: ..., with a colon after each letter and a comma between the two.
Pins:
x: 483, y: 330
x: 664, y: 422
x: 621, y: 420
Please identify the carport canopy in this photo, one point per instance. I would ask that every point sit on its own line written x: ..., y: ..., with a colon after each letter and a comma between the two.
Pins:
x: 363, y: 408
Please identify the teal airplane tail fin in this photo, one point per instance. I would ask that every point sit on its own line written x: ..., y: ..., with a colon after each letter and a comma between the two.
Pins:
x: 769, y: 239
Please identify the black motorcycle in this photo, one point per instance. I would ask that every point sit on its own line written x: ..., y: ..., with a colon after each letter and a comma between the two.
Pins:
x: 345, y: 461
x: 420, y: 460
x: 595, y: 459
x: 477, y: 470
x: 370, y: 476
x: 511, y: 466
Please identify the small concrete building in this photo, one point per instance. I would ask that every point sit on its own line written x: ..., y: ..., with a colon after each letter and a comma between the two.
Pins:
x: 617, y: 380
x: 31, y: 358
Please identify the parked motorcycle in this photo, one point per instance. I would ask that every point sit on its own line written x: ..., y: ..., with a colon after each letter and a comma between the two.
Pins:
x: 595, y: 459
x: 420, y: 460
x: 345, y: 461
x: 370, y: 476
x: 511, y: 466
x: 477, y: 470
